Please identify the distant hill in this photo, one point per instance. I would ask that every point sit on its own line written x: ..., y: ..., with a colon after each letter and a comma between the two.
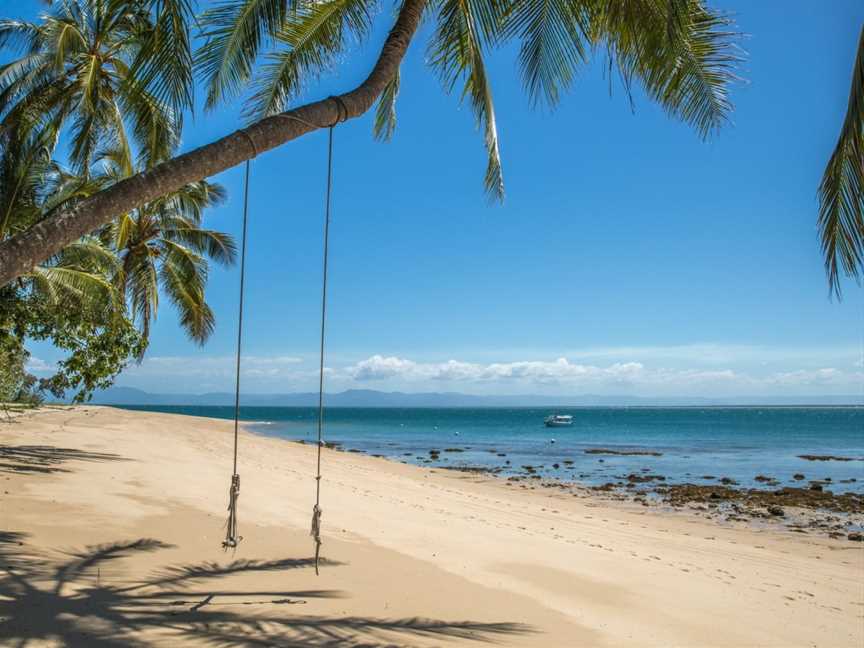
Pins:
x: 373, y: 398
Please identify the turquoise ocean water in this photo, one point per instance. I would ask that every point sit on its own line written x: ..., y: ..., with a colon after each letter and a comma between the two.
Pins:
x: 735, y: 442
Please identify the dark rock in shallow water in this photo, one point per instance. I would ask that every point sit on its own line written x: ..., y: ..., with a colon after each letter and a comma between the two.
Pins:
x: 556, y: 466
x: 633, y: 478
x: 749, y: 500
x: 816, y: 486
x: 728, y: 481
x: 798, y: 476
x: 708, y: 477
x: 810, y: 457
x: 624, y: 453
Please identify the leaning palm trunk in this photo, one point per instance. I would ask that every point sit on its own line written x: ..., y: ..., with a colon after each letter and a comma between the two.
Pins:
x: 26, y: 250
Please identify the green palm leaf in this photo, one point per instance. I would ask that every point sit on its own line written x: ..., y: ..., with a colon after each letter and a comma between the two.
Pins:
x: 385, y: 114
x: 841, y: 193
x: 163, y: 64
x: 457, y: 53
x: 312, y: 37
x: 183, y: 276
x: 235, y: 31
x: 555, y: 41
x: 683, y: 53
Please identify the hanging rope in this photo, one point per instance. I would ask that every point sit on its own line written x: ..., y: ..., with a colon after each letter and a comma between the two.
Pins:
x: 232, y: 539
x: 315, y: 531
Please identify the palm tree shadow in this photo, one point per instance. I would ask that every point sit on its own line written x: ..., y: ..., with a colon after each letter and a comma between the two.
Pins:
x: 46, y: 459
x: 66, y: 600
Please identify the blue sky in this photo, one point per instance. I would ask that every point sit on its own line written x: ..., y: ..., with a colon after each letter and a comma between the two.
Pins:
x: 629, y: 257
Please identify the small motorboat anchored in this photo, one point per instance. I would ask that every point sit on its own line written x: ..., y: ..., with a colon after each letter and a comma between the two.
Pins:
x: 558, y: 420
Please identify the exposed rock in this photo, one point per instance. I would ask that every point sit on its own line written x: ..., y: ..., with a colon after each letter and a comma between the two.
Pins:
x: 856, y: 537
x: 633, y: 478
x: 776, y: 511
x: 623, y: 453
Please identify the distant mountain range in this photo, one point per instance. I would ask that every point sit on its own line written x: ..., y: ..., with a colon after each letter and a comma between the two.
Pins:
x: 373, y: 398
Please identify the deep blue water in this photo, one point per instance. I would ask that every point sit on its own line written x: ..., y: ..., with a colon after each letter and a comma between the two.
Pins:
x: 738, y: 442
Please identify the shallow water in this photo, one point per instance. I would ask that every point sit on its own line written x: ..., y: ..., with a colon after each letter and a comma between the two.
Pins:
x: 735, y: 442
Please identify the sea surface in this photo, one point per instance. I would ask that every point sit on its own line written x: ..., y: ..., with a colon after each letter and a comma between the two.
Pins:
x: 735, y: 442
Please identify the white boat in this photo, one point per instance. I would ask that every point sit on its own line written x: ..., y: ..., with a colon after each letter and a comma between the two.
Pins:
x: 558, y: 420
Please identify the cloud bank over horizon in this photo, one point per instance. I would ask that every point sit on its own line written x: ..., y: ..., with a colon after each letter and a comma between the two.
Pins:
x: 690, y: 370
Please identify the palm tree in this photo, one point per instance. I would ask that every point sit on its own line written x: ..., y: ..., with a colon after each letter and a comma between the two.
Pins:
x: 162, y: 245
x: 841, y: 193
x: 32, y: 184
x: 117, y: 73
x: 680, y: 51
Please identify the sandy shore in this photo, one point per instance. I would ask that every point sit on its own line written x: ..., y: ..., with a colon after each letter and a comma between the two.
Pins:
x: 111, y: 523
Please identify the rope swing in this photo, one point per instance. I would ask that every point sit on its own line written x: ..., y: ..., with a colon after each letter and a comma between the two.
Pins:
x: 232, y: 539
x: 315, y: 531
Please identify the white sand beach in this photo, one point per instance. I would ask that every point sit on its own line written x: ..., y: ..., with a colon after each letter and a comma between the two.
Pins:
x: 111, y: 523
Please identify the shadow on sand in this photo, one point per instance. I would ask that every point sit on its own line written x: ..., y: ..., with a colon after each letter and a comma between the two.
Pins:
x: 46, y: 459
x: 66, y: 600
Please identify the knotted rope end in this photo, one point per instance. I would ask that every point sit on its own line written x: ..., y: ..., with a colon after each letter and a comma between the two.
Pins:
x: 231, y: 538
x: 315, y: 532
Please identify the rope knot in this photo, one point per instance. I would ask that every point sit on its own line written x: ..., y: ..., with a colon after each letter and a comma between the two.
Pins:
x: 315, y: 532
x: 341, y: 110
x: 231, y: 538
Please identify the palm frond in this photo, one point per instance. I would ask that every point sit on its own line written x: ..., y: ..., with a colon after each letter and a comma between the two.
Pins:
x: 841, y: 192
x: 555, y: 41
x: 217, y: 245
x: 312, y: 37
x: 457, y: 53
x: 234, y: 32
x: 58, y: 283
x: 183, y: 276
x: 385, y: 114
x: 19, y: 35
x: 155, y: 125
x: 164, y: 62
x: 683, y: 53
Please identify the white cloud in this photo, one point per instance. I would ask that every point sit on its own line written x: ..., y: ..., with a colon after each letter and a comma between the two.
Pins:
x: 645, y: 373
x: 825, y: 376
x: 37, y: 365
x: 538, y: 372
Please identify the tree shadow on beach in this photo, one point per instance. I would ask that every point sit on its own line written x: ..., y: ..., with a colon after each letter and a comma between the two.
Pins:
x: 67, y: 600
x: 46, y: 459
